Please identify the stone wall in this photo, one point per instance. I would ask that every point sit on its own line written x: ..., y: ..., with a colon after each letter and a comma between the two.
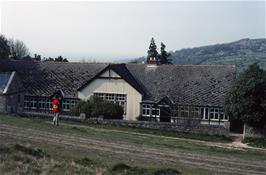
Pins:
x: 252, y: 132
x: 2, y: 103
x: 191, y: 126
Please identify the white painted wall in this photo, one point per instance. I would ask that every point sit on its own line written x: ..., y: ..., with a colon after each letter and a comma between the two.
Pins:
x: 111, y: 73
x: 117, y: 86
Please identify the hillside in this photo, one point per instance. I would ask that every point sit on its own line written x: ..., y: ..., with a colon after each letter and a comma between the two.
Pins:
x: 241, y: 53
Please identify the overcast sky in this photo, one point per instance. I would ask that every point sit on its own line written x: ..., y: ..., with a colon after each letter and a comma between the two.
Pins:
x: 117, y: 30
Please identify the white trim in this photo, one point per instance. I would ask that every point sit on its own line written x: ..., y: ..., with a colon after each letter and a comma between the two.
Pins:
x: 9, y: 82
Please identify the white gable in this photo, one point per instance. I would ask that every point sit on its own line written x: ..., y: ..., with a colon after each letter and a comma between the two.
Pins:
x: 110, y: 74
x: 111, y: 83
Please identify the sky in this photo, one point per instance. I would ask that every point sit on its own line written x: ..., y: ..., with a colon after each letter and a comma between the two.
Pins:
x: 104, y: 31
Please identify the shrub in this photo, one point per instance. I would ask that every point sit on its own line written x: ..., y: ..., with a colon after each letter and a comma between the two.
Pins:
x: 30, y: 151
x: 167, y: 171
x: 85, y: 162
x: 113, y: 111
x: 95, y: 107
x: 121, y: 167
x: 143, y: 118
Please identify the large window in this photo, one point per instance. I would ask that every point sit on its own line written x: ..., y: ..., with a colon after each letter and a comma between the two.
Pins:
x: 30, y: 103
x: 205, y: 113
x: 68, y: 104
x: 46, y: 103
x: 120, y: 99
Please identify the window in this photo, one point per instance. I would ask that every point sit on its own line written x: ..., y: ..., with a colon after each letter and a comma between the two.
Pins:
x: 146, y: 109
x: 206, y: 114
x: 120, y: 99
x: 30, y: 102
x: 100, y: 95
x: 223, y: 117
x: 195, y: 112
x: 42, y: 103
x: 110, y: 97
x: 214, y: 113
x: 155, y: 111
x: 184, y: 110
x: 68, y: 104
x: 26, y: 100
x: 150, y: 110
x: 202, y: 113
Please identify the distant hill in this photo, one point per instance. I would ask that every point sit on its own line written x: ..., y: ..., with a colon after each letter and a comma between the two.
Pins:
x: 241, y: 53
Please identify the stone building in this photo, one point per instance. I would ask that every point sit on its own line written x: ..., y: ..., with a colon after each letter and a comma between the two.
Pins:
x: 160, y: 92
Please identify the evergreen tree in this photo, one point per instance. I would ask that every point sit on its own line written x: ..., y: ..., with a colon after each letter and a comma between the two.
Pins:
x: 163, y: 57
x: 246, y: 99
x: 152, y: 52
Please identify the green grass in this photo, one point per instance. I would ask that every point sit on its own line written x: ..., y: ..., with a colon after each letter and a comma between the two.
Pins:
x: 133, y: 136
x: 24, y: 158
x: 201, y: 137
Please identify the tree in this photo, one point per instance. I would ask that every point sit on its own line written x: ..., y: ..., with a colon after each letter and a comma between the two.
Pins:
x: 28, y: 58
x: 4, y: 47
x: 60, y: 59
x: 246, y: 99
x: 163, y: 57
x: 152, y: 52
x: 18, y: 49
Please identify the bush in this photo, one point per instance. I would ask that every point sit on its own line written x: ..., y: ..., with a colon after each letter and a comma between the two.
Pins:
x: 143, y: 118
x: 121, y: 167
x: 30, y: 151
x: 95, y: 107
x: 167, y: 171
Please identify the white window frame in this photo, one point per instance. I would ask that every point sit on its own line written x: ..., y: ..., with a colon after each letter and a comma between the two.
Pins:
x: 184, y: 111
x: 215, y: 112
x: 147, y: 109
x: 223, y: 116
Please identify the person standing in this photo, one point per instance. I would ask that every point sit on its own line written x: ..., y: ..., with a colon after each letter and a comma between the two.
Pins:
x: 56, y: 104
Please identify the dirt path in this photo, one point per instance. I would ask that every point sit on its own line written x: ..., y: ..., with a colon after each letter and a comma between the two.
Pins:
x: 215, y: 164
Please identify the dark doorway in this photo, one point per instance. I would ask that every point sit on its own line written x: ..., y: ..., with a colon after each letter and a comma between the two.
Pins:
x: 236, y: 126
x: 165, y: 114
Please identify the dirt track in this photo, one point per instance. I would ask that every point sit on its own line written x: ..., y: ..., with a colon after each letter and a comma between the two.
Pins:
x: 214, y: 164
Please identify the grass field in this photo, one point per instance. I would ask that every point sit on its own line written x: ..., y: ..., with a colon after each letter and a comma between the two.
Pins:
x: 34, y: 146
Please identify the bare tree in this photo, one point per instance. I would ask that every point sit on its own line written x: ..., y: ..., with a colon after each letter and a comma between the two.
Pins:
x: 4, y: 47
x: 18, y: 49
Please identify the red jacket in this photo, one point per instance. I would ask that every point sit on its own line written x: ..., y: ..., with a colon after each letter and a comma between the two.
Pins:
x: 56, y: 105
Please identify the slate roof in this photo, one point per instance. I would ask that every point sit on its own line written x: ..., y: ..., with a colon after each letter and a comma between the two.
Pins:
x: 4, y: 77
x: 199, y: 85
x: 202, y: 85
x: 45, y: 78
